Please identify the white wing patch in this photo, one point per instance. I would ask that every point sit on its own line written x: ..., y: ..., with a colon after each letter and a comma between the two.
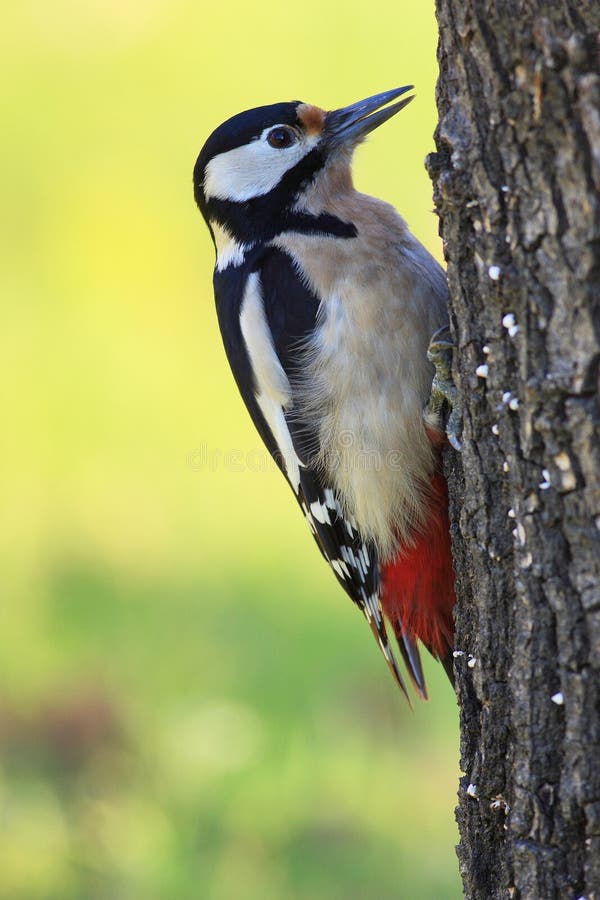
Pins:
x: 273, y: 390
x: 320, y: 512
x: 340, y: 568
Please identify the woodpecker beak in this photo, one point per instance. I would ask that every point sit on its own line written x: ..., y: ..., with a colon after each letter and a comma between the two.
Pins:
x: 352, y: 123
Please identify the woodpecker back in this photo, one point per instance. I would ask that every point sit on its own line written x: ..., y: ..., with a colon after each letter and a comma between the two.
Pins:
x: 326, y: 304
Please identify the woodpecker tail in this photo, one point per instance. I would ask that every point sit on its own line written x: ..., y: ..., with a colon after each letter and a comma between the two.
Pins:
x: 418, y: 589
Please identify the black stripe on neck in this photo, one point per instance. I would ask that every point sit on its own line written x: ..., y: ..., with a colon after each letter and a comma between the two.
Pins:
x: 254, y: 222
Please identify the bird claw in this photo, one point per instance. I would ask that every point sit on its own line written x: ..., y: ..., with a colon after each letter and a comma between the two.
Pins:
x: 443, y: 407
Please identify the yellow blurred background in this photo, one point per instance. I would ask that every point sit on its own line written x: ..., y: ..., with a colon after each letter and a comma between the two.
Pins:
x: 189, y: 705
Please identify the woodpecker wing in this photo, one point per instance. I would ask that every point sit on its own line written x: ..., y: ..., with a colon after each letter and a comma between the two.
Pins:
x: 277, y: 313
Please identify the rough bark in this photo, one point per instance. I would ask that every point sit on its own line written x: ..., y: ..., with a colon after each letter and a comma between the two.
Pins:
x: 517, y: 181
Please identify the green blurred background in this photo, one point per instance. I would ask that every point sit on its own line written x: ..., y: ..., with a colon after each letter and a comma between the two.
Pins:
x: 189, y: 705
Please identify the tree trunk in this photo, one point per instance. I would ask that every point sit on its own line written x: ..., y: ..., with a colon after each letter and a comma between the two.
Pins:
x: 517, y: 179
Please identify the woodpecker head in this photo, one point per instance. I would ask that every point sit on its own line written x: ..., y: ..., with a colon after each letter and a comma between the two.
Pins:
x: 252, y: 171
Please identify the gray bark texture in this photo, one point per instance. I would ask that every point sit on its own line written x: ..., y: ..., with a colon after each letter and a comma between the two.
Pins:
x: 517, y: 187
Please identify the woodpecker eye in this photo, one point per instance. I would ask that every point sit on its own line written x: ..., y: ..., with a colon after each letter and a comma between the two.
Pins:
x: 280, y: 138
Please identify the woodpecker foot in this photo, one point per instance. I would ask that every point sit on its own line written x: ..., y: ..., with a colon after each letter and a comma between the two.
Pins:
x: 443, y: 406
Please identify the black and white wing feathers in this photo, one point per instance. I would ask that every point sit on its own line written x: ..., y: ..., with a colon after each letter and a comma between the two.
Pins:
x: 275, y: 314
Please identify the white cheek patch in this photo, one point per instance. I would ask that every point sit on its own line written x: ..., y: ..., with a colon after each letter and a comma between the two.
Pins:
x: 252, y: 170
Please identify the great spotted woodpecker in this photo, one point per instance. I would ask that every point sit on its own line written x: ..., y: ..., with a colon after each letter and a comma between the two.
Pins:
x: 327, y: 304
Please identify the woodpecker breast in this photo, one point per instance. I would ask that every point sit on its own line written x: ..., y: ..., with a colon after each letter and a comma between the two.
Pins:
x: 365, y: 376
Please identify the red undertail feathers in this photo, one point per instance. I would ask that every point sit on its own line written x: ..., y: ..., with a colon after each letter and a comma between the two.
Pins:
x: 418, y: 584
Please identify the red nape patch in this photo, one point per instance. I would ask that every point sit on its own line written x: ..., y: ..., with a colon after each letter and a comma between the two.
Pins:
x: 418, y: 585
x: 312, y: 118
